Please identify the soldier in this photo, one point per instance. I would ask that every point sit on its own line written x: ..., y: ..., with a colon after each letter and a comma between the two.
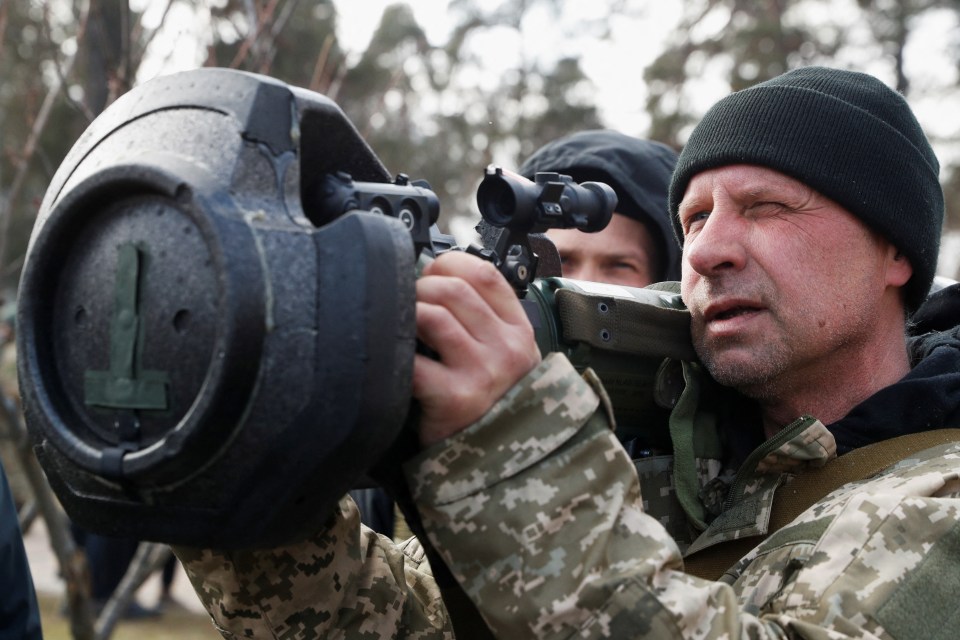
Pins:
x: 809, y: 210
x: 637, y: 248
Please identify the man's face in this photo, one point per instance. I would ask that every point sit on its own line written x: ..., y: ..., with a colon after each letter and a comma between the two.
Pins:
x: 779, y: 279
x: 623, y: 253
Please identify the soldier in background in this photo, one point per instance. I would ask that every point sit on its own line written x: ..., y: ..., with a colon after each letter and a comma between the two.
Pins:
x: 809, y: 209
x: 637, y: 248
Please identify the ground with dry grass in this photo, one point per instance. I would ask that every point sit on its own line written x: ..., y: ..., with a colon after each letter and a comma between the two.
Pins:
x: 176, y: 623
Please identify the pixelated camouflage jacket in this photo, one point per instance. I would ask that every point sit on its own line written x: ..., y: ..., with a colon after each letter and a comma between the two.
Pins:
x: 539, y: 513
x: 544, y: 527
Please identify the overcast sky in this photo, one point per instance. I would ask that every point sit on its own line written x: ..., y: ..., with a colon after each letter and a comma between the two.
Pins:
x: 635, y: 42
x: 615, y: 65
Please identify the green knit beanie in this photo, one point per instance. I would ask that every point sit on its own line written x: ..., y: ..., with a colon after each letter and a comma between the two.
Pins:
x: 846, y: 135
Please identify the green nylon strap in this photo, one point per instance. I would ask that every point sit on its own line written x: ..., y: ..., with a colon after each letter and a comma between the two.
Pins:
x: 125, y: 386
x: 625, y: 325
x: 683, y: 425
x: 806, y: 489
x: 865, y: 462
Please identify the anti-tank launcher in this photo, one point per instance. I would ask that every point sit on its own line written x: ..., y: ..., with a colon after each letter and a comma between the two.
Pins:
x: 216, y: 315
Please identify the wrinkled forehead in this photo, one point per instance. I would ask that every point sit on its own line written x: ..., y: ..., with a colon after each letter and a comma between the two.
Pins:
x: 743, y: 182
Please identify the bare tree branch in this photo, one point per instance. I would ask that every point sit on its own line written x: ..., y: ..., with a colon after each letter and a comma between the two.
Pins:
x: 148, y: 559
x: 79, y: 106
x: 138, y: 31
x: 316, y: 79
x: 36, y: 131
x: 124, y: 72
x: 253, y: 31
x: 3, y: 23
x: 270, y: 47
x: 333, y: 90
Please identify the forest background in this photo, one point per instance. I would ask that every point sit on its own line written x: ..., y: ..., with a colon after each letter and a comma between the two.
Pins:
x: 441, y: 88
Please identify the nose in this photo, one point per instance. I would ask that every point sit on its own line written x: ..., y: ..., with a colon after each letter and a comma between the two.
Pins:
x: 720, y: 244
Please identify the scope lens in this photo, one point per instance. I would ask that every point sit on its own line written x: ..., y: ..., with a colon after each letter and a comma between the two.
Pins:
x: 497, y: 202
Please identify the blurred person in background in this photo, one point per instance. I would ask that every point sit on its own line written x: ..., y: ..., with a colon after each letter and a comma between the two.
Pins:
x: 638, y: 247
x: 19, y: 613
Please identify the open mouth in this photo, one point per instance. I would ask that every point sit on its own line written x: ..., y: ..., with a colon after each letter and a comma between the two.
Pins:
x: 733, y: 312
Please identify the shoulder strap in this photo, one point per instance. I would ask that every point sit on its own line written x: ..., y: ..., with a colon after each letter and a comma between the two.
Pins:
x: 806, y: 489
x: 865, y: 462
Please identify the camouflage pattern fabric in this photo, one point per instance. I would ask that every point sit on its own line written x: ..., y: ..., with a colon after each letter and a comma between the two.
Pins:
x: 538, y: 511
x: 660, y: 500
x: 803, y: 444
x: 539, y: 514
x: 346, y: 582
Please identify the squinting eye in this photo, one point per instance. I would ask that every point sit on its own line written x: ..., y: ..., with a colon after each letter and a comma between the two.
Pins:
x: 699, y: 215
x: 761, y: 208
x: 695, y: 219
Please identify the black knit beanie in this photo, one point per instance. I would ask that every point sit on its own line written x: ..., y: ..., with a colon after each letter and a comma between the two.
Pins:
x: 846, y: 135
x: 638, y: 171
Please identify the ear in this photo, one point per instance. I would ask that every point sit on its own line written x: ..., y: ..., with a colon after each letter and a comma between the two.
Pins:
x: 899, y: 270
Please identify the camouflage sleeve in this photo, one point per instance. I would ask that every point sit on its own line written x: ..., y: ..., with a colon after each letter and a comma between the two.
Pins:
x: 537, y: 511
x: 346, y: 582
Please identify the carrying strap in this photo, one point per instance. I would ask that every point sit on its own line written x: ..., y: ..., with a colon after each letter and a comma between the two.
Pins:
x: 806, y: 489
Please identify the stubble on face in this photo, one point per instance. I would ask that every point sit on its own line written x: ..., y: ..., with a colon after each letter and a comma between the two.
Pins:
x: 742, y: 362
x: 768, y: 365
